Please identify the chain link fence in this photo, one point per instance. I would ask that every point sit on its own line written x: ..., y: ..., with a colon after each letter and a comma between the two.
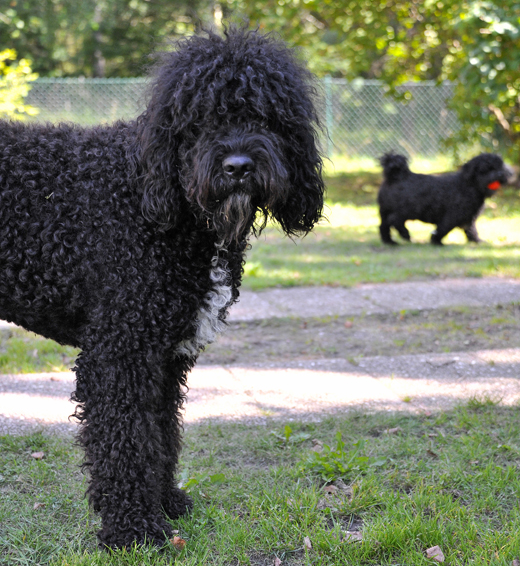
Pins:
x: 87, y: 101
x: 361, y: 119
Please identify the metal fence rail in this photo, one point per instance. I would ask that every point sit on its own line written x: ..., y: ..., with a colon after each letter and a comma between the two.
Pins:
x: 361, y: 119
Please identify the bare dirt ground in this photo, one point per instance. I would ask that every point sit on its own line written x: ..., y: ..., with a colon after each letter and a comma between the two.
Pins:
x: 286, y: 354
x: 458, y: 329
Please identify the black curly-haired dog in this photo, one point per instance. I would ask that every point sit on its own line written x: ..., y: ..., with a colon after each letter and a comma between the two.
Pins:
x: 448, y: 201
x: 128, y: 242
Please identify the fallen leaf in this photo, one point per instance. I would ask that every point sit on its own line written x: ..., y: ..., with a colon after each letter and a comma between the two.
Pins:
x: 352, y: 536
x: 37, y: 505
x: 277, y: 561
x: 307, y: 543
x: 342, y: 486
x: 178, y: 542
x: 394, y: 430
x: 435, y: 553
x: 38, y: 455
x: 431, y: 453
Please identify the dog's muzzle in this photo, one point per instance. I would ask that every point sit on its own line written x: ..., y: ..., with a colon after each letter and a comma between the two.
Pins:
x: 238, y: 167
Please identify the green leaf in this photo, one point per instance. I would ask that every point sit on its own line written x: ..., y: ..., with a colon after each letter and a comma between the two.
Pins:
x: 217, y: 478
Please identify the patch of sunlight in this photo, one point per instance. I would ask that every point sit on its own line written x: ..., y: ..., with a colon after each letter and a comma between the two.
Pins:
x: 285, y: 274
x: 479, y: 252
x: 338, y: 164
x: 499, y: 231
x: 430, y: 165
x: 338, y: 214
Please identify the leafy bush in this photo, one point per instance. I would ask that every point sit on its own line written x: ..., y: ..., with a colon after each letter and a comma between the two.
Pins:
x: 485, y: 65
x: 15, y: 77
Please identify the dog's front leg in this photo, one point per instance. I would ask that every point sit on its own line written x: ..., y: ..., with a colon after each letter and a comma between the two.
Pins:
x: 470, y: 230
x: 175, y: 502
x: 120, y: 415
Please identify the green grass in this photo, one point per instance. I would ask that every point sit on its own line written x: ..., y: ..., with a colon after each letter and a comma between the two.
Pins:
x: 26, y: 352
x: 346, y: 250
x: 449, y: 479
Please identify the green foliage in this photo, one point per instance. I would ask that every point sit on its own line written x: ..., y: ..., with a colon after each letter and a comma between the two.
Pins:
x: 95, y: 37
x: 473, y: 43
x: 25, y: 352
x: 394, y: 40
x: 289, y: 436
x: 15, y: 77
x: 486, y: 62
x: 332, y: 464
x: 189, y: 482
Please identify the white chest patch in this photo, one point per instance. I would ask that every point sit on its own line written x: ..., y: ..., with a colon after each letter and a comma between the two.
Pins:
x: 209, y: 321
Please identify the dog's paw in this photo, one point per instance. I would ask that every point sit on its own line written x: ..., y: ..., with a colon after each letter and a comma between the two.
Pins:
x: 177, y: 503
x: 154, y: 532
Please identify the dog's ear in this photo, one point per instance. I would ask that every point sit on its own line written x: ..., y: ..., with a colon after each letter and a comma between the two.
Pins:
x: 161, y: 131
x: 156, y: 155
x: 289, y: 98
x: 304, y: 204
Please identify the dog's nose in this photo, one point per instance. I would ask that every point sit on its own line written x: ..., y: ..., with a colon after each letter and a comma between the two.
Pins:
x: 238, y: 166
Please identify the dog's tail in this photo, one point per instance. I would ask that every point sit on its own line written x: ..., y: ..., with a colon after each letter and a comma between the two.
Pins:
x: 395, y: 167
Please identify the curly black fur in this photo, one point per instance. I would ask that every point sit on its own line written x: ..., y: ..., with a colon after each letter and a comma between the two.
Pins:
x: 128, y: 241
x: 449, y: 201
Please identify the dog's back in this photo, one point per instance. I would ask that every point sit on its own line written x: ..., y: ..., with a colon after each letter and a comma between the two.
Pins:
x: 64, y: 194
x: 418, y: 196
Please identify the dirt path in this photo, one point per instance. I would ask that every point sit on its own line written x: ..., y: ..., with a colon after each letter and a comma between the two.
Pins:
x: 407, y: 347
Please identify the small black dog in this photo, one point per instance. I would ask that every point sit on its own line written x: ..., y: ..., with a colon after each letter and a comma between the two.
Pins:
x: 128, y: 242
x: 449, y: 201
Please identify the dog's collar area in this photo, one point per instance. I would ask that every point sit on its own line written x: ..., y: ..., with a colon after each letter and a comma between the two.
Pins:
x: 494, y: 185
